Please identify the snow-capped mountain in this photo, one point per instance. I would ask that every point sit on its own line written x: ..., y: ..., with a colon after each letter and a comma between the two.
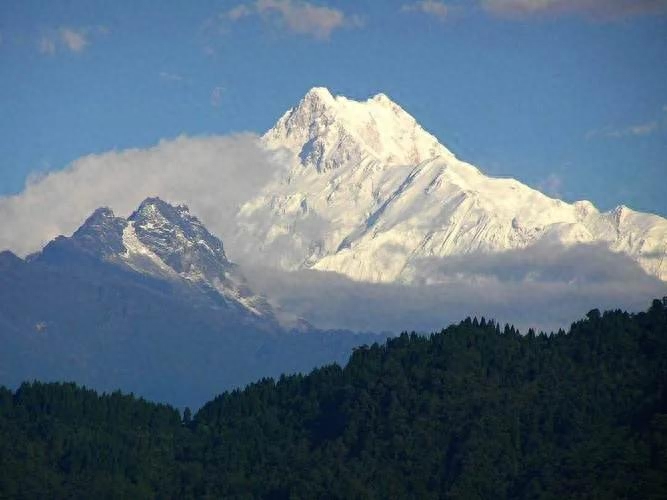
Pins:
x: 372, y: 195
x: 166, y: 242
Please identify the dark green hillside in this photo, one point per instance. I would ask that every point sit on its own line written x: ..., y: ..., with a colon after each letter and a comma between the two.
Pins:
x: 475, y: 411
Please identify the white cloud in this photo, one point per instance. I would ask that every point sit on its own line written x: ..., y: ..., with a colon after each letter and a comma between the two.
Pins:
x: 70, y: 39
x: 598, y: 9
x: 297, y: 16
x: 433, y: 8
x: 641, y: 129
x: 74, y: 40
x: 171, y: 77
x: 210, y: 174
x: 658, y: 124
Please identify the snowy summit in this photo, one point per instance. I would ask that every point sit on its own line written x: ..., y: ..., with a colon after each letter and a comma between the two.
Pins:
x: 372, y: 195
x: 328, y: 132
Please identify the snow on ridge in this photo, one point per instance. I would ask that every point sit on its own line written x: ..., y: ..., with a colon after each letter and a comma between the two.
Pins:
x: 140, y: 258
x: 380, y: 193
x: 167, y: 242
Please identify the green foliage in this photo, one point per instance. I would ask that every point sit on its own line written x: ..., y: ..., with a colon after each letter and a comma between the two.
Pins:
x: 475, y: 411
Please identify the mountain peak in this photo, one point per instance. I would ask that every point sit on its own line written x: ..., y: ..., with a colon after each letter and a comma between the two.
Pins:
x: 101, y: 213
x: 172, y: 233
x: 98, y: 221
x: 327, y: 132
x: 153, y: 201
x: 155, y: 205
x: 319, y: 94
x: 383, y: 99
x: 372, y: 195
x: 162, y: 240
x: 176, y: 241
x: 101, y: 233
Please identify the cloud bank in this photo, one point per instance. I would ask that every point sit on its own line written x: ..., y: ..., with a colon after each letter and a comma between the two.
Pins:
x: 213, y: 175
x: 543, y: 288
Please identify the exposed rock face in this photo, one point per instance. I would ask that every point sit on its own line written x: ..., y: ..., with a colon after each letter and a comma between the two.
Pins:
x: 164, y: 241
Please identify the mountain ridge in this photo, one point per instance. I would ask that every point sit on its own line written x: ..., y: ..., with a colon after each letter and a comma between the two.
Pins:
x: 370, y: 194
x: 149, y: 304
x: 166, y: 242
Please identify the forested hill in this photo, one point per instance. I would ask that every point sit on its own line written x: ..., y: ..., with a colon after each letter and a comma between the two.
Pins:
x: 475, y: 411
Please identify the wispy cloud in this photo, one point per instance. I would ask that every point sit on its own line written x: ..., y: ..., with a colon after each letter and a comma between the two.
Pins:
x: 74, y: 40
x: 438, y: 10
x: 171, y: 77
x: 658, y: 124
x: 640, y: 129
x: 596, y: 9
x: 69, y: 39
x: 296, y: 16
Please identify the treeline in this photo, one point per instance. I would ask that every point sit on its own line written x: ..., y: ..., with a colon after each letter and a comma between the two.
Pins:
x: 475, y: 411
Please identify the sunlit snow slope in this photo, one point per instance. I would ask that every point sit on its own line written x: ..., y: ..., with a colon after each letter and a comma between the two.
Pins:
x: 372, y: 195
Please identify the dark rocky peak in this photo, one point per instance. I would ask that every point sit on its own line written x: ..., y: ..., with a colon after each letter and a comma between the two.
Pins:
x: 155, y: 237
x: 101, y: 233
x: 182, y: 242
x: 177, y: 237
x: 99, y: 237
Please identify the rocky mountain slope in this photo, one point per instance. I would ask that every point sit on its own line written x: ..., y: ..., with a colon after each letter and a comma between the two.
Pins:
x: 165, y: 242
x: 372, y: 195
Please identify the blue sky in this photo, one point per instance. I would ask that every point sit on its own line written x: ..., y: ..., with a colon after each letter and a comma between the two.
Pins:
x: 567, y: 96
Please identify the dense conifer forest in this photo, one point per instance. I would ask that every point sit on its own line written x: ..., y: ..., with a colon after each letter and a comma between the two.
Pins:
x: 475, y: 411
